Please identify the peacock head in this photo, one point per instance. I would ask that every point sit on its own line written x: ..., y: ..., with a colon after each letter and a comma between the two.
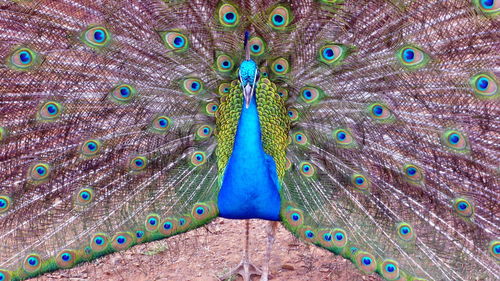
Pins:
x: 248, y: 73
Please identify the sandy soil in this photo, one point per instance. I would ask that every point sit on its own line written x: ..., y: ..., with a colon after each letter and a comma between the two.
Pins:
x: 209, y: 252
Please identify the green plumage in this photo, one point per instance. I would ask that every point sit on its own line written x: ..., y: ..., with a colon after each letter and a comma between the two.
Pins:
x: 118, y: 119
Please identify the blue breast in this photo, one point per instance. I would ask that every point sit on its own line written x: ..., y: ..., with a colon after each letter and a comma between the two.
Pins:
x: 250, y: 187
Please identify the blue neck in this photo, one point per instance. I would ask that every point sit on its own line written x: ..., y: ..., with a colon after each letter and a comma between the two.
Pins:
x: 250, y: 187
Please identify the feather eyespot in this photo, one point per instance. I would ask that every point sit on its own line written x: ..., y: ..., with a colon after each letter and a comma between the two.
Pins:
x: 489, y: 8
x: 390, y: 269
x: 203, y: 132
x: 485, y: 85
x: 140, y: 236
x: 192, y: 86
x: 50, y: 111
x: 280, y: 66
x: 283, y: 93
x: 228, y: 15
x: 294, y: 217
x: 198, y: 158
x: 339, y: 238
x: 224, y: 88
x: 307, y: 233
x: 5, y: 275
x: 40, y: 171
x: 307, y: 169
x: 380, y: 113
x: 96, y: 37
x: 5, y: 203
x: 224, y: 63
x: 332, y: 54
x: 202, y: 212
x: 455, y: 140
x: 85, y: 196
x: 366, y: 262
x: 310, y: 94
x: 184, y: 223
x: 257, y: 46
x: 66, y: 258
x: 359, y: 181
x: 279, y: 18
x: 32, y: 263
x: 175, y: 41
x: 343, y: 138
x: 123, y: 93
x: 412, y: 57
x: 413, y: 173
x: 300, y: 138
x: 293, y: 114
x: 23, y: 59
x: 463, y: 207
x: 152, y: 222
x: 211, y: 108
x: 405, y: 231
x: 494, y: 249
x: 168, y: 226
x: 99, y: 242
x: 90, y: 148
x: 122, y: 241
x: 161, y: 124
x: 138, y: 163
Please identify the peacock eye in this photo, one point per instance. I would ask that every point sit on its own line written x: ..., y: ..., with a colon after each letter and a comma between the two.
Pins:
x: 204, y: 132
x: 332, y: 54
x: 90, y: 147
x: 96, y: 37
x: 224, y: 63
x: 366, y: 262
x: 40, y: 171
x: 228, y: 15
x: 360, y: 182
x: 463, y: 207
x: 175, y: 41
x: 211, y: 108
x: 300, y: 138
x: 192, y: 86
x: 343, y: 138
x: 161, y: 124
x: 412, y: 57
x: 138, y: 163
x: 198, y: 158
x: 280, y: 66
x: 23, y: 59
x: 307, y: 169
x: 488, y: 7
x: 311, y: 94
x: 257, y: 46
x: 484, y: 85
x: 455, y: 140
x: 32, y: 263
x: 5, y: 203
x: 123, y: 93
x: 280, y: 17
x: 50, y: 111
x: 380, y: 113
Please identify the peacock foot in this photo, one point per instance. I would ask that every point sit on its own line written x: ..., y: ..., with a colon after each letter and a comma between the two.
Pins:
x: 246, y: 270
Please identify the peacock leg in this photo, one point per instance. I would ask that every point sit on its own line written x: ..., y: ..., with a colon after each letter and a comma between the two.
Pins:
x: 271, y: 234
x: 244, y: 268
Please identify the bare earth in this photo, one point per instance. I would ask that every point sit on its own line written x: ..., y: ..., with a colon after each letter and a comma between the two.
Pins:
x: 206, y: 253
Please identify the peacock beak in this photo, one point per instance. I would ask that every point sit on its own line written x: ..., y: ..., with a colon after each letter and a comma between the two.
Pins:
x: 247, y: 93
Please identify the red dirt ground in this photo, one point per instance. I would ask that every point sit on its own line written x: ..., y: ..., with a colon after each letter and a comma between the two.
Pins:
x: 206, y: 253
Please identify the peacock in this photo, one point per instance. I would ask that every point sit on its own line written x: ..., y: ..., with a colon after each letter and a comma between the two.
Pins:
x: 369, y: 128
